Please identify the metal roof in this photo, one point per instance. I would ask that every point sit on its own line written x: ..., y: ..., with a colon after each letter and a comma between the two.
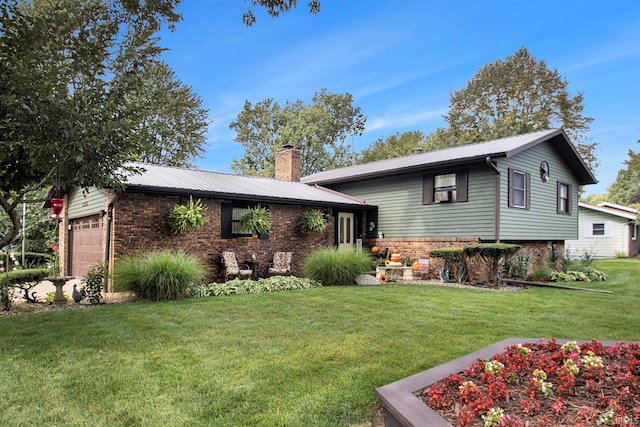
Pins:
x: 504, y: 147
x: 172, y: 180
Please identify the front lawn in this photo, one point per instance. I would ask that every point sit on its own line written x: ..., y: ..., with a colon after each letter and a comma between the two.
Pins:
x: 298, y: 358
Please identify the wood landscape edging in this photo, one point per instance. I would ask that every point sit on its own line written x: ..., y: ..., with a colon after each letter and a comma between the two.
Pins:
x: 401, y: 407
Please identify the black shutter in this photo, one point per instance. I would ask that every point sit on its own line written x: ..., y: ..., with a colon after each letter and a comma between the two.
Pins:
x: 427, y: 189
x: 226, y: 216
x: 461, y: 186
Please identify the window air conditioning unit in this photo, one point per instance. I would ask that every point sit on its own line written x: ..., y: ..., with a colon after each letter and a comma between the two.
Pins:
x: 443, y: 196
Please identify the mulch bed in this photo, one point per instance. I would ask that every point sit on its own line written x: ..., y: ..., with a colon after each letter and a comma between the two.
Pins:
x: 544, y: 384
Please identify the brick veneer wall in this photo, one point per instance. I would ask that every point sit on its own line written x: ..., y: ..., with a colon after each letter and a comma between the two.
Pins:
x: 140, y: 223
x: 415, y: 248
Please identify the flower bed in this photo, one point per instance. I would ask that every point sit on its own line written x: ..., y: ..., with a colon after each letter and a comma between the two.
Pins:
x: 550, y: 383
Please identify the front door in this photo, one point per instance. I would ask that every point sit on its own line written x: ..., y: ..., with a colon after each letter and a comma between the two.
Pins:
x: 345, y: 230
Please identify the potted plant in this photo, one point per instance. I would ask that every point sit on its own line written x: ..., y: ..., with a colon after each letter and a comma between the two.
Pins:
x: 312, y: 221
x: 257, y: 220
x: 187, y: 218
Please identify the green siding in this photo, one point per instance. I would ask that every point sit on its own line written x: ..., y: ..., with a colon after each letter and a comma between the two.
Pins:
x: 541, y: 221
x: 402, y: 214
x: 86, y: 203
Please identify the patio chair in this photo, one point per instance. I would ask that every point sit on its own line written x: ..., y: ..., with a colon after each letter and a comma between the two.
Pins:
x: 232, y: 269
x: 281, y: 265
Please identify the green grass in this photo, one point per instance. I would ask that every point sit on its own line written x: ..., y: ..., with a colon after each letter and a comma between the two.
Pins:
x: 299, y: 358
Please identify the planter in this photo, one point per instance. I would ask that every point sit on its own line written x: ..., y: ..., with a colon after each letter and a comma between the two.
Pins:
x: 401, y: 405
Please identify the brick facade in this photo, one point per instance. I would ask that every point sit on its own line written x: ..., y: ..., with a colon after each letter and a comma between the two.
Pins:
x: 140, y: 223
x: 415, y: 248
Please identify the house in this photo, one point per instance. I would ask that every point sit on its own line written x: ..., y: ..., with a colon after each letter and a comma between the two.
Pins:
x: 605, y: 231
x: 522, y: 189
x: 102, y: 225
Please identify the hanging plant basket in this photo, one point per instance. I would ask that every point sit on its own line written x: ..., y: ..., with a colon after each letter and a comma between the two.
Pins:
x: 312, y: 221
x: 257, y: 220
x: 187, y: 218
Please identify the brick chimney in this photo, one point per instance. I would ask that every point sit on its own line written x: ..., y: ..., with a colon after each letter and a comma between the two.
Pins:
x: 288, y: 164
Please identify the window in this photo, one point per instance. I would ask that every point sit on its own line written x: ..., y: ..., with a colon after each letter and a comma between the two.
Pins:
x: 519, y: 189
x: 444, y: 188
x: 236, y: 214
x: 597, y: 229
x: 564, y: 198
x: 634, y: 231
x: 230, y: 220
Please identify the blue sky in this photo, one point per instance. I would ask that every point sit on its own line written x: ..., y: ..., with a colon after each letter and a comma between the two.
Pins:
x: 402, y: 59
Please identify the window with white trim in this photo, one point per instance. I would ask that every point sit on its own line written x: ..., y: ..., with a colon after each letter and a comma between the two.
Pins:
x: 634, y: 231
x: 598, y: 229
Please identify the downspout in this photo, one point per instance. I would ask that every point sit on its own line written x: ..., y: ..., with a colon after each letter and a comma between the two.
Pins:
x: 497, y: 201
x: 109, y: 218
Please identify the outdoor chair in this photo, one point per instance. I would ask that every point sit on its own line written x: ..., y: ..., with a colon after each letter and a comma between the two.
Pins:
x: 232, y: 269
x: 281, y: 265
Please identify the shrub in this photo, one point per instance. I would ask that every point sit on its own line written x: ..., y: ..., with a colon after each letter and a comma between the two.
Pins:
x: 569, y: 276
x: 542, y: 273
x: 32, y: 259
x: 518, y: 265
x: 333, y: 266
x: 158, y: 275
x: 243, y: 287
x: 491, y: 254
x: 94, y: 283
x: 454, y: 263
x: 21, y: 279
x: 595, y: 275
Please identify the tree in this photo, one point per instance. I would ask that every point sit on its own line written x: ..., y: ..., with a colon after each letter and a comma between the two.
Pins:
x: 69, y: 69
x: 394, y: 146
x: 275, y: 8
x: 515, y: 96
x: 169, y: 119
x: 624, y: 190
x: 39, y: 230
x: 319, y: 130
